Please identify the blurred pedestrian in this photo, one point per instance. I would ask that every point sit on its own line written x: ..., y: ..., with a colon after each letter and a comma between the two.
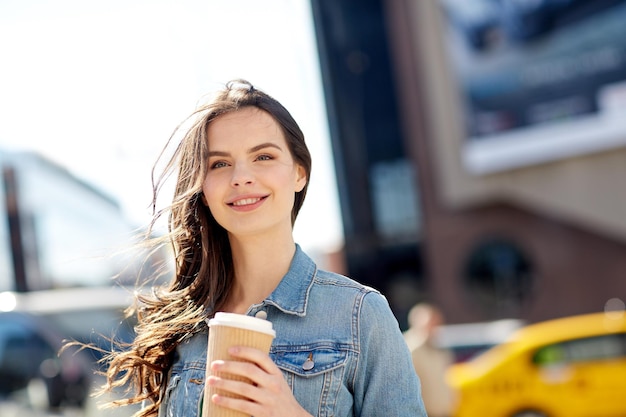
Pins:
x: 429, y: 360
x: 242, y: 171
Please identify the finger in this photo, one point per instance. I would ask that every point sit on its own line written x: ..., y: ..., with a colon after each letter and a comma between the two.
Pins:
x: 257, y: 356
x: 249, y: 371
x: 244, y: 406
x: 238, y: 388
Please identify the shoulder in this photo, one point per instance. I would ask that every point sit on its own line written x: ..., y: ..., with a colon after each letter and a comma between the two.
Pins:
x: 339, y: 289
x: 327, y: 278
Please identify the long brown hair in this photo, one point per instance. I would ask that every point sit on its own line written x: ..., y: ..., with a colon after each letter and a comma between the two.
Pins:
x: 203, y: 268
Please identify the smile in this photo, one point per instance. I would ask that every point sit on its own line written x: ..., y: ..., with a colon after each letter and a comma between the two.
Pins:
x: 246, y: 201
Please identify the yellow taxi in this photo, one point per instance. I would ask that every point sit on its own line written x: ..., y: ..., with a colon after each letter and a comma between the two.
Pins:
x: 568, y: 367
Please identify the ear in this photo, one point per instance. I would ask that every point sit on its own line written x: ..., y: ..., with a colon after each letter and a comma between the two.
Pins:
x: 300, y: 178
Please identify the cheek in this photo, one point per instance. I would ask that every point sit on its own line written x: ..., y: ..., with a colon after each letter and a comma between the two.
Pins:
x: 208, y: 193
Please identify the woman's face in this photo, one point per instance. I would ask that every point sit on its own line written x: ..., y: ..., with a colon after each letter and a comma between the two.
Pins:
x: 252, y: 177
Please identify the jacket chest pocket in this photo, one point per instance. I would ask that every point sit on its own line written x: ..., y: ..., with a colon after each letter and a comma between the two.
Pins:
x: 316, y: 378
x: 183, y: 393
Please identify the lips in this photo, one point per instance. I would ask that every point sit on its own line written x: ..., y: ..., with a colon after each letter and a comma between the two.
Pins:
x: 247, y: 201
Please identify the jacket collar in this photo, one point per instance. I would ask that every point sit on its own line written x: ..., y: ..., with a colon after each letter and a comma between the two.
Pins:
x: 292, y: 293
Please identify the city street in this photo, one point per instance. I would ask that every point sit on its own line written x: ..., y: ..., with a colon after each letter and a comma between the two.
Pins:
x: 31, y: 402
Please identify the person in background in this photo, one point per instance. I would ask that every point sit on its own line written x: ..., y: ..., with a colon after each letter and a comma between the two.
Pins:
x: 242, y: 169
x: 429, y: 360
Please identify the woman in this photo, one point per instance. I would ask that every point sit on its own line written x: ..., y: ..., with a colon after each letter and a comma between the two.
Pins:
x: 242, y: 173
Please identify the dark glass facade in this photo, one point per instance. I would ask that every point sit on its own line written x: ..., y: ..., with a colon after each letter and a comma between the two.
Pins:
x: 376, y: 180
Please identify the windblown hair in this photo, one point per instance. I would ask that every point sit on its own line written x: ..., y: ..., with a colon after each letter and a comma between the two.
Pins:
x: 203, y: 267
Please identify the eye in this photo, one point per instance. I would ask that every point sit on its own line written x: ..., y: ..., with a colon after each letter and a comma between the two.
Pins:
x: 218, y: 164
x: 264, y: 157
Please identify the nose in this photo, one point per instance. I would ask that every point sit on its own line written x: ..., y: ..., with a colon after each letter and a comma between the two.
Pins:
x: 242, y: 175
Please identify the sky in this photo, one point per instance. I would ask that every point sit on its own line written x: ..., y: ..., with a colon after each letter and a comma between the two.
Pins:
x: 99, y: 86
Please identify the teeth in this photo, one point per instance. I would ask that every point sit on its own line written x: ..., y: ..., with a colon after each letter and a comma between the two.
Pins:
x: 245, y: 201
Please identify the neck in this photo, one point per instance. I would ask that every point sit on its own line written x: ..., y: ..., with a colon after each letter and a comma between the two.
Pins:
x: 259, y: 267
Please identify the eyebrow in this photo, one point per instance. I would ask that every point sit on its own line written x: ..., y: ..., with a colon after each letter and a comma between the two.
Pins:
x: 251, y: 150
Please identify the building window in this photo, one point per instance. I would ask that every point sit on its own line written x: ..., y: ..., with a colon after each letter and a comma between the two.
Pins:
x: 498, y: 276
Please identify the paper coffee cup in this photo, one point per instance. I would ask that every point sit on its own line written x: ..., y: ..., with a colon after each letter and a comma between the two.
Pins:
x: 227, y: 330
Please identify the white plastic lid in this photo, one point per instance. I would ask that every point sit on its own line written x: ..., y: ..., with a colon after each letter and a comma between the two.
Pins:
x: 243, y: 322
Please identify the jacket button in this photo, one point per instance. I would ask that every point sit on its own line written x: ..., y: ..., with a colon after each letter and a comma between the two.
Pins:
x: 308, y: 364
x: 261, y: 314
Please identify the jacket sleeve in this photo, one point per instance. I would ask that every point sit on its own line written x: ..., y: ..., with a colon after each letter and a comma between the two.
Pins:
x: 385, y: 382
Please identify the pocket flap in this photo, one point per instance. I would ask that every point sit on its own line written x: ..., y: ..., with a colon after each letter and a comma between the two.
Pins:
x: 308, y: 363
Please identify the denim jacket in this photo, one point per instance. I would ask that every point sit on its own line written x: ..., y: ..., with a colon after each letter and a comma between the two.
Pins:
x: 361, y: 364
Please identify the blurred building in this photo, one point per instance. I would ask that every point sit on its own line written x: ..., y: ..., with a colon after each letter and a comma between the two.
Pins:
x: 58, y: 231
x: 498, y: 125
x: 376, y: 178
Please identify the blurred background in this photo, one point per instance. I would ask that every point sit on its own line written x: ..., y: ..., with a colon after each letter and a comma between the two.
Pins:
x: 467, y: 153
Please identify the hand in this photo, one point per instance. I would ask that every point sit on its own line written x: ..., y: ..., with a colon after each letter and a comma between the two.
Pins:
x: 268, y: 395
